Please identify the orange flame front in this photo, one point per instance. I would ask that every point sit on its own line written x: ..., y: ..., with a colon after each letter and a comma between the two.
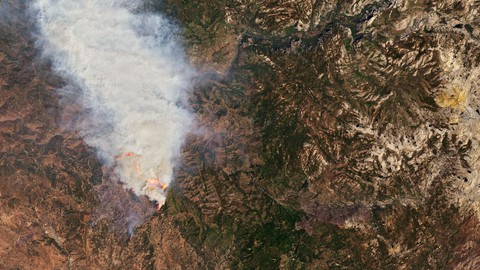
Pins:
x: 151, y: 182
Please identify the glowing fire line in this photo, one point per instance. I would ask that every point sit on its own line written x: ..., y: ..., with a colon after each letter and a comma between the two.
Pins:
x: 152, y: 182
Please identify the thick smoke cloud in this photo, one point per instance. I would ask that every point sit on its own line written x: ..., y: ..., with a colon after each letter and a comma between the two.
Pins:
x: 130, y: 77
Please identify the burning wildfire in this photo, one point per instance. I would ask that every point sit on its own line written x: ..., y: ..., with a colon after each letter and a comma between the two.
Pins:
x: 125, y: 68
x: 152, y: 185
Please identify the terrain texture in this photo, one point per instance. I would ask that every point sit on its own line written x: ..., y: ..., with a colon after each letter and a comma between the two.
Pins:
x: 336, y: 134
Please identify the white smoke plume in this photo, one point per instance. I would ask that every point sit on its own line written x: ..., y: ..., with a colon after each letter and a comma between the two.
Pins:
x: 131, y: 80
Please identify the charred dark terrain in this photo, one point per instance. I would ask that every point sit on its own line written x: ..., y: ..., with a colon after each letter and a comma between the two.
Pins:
x: 334, y: 135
